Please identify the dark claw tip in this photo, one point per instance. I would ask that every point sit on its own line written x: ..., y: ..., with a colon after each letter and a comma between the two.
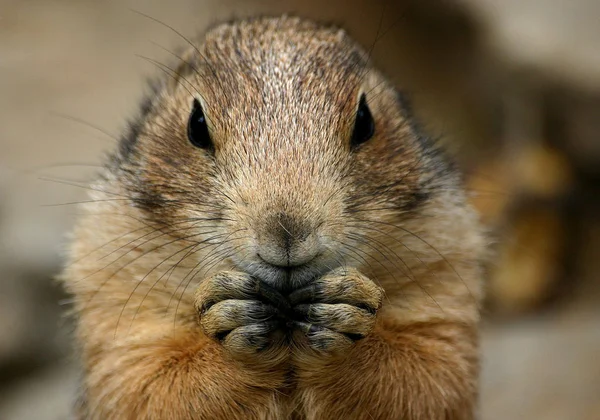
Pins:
x: 354, y: 337
x: 302, y: 326
x: 220, y: 336
x: 315, y: 329
x: 205, y: 307
x: 272, y: 296
x: 302, y: 309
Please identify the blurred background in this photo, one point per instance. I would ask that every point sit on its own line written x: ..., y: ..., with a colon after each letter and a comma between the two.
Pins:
x: 512, y: 87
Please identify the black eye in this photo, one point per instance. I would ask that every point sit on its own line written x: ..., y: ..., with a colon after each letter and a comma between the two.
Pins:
x: 364, y: 126
x: 198, y: 129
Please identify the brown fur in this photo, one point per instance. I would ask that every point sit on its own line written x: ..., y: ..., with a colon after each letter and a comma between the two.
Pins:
x: 174, y: 232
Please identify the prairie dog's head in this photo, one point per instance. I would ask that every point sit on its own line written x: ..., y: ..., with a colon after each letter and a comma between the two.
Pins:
x: 278, y: 142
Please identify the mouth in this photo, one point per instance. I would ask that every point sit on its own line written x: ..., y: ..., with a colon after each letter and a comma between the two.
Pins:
x: 286, y: 279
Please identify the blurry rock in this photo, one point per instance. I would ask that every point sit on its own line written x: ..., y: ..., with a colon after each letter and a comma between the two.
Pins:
x: 45, y: 396
x: 30, y: 313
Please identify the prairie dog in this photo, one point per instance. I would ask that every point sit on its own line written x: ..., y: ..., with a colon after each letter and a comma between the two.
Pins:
x: 273, y: 239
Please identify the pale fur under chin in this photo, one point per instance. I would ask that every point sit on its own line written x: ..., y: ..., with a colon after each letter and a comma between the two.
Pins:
x: 133, y: 280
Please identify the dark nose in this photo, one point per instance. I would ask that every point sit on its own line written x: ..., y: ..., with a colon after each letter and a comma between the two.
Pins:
x: 288, y: 241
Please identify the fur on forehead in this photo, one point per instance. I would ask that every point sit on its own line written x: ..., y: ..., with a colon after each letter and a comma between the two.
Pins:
x: 287, y: 44
x: 284, y: 61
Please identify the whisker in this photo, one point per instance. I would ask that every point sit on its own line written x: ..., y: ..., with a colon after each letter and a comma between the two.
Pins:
x: 72, y: 203
x: 434, y: 249
x: 78, y: 185
x: 139, y: 283
x: 126, y: 265
x: 385, y: 267
x: 410, y: 274
x: 200, y: 263
x: 163, y: 233
x: 190, y: 43
x: 140, y: 256
x: 169, y: 72
x: 216, y: 259
x: 85, y: 123
x: 413, y: 278
x: 111, y: 241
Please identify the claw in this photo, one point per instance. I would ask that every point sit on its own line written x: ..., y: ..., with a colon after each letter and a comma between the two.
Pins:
x: 273, y: 297
x: 305, y: 327
x: 302, y: 309
x: 306, y: 294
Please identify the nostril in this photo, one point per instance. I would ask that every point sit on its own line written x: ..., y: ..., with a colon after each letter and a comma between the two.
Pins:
x: 289, y: 229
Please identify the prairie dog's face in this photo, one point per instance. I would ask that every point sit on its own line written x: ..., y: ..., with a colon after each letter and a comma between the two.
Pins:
x: 278, y: 142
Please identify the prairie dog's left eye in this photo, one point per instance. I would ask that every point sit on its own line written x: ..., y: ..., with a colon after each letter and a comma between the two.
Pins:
x: 364, y: 126
x: 197, y: 129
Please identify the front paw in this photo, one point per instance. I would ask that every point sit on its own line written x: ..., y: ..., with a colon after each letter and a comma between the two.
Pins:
x: 335, y: 311
x: 242, y: 313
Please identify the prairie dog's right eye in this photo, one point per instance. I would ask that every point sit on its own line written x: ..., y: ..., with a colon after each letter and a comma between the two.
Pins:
x: 197, y: 129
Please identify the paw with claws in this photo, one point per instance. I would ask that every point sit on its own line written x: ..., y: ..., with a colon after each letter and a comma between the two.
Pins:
x: 334, y: 311
x: 244, y: 314
x: 250, y: 318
